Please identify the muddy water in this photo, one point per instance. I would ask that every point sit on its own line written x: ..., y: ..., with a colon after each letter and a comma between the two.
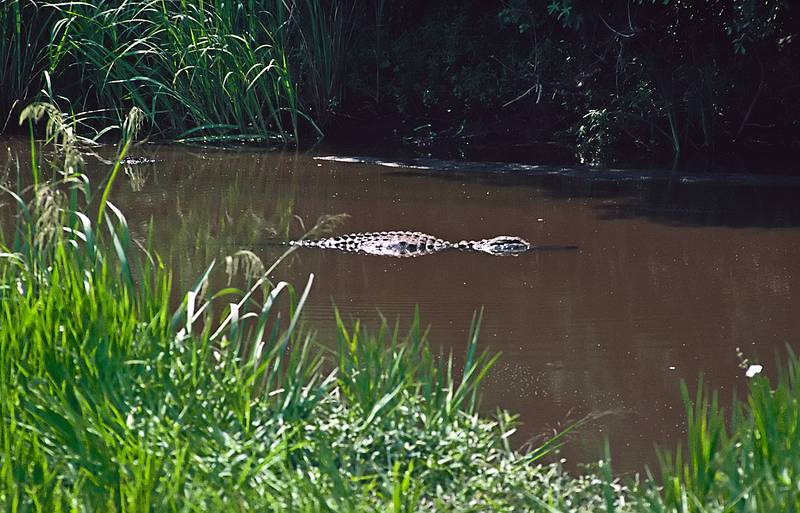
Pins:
x: 671, y: 275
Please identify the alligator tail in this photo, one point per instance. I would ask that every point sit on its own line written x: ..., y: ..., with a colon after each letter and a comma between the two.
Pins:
x: 307, y: 243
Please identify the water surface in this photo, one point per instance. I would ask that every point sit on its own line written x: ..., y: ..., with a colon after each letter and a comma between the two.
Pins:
x: 672, y: 273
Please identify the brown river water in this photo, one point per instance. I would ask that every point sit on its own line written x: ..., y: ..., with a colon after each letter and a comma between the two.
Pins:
x: 671, y: 273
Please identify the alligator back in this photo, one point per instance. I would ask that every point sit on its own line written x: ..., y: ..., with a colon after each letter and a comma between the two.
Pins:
x: 395, y: 244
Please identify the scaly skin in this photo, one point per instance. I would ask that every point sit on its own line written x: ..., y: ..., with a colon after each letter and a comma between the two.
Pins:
x: 500, y: 245
x: 411, y: 244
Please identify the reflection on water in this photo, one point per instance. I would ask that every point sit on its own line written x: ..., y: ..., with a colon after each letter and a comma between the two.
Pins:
x: 671, y: 274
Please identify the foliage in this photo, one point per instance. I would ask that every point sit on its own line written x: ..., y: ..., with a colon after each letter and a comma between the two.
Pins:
x: 594, y: 139
x: 674, y: 77
x: 26, y: 29
x: 260, y: 70
x: 747, y: 462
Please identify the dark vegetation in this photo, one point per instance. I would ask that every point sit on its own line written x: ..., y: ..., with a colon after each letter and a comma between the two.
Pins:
x: 599, y: 81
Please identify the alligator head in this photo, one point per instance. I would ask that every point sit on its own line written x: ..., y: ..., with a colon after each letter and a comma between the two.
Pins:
x: 500, y: 245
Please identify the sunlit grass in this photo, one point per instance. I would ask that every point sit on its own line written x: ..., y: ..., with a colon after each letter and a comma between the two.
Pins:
x: 744, y: 459
x: 266, y: 71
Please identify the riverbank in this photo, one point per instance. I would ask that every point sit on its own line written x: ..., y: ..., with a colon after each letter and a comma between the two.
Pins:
x: 561, y: 82
x: 114, y: 400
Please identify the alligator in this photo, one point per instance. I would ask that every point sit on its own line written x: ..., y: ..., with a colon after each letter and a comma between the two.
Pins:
x: 412, y: 244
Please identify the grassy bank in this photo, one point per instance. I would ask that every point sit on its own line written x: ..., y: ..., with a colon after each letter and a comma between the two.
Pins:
x: 604, y: 81
x: 112, y: 400
x: 200, y: 71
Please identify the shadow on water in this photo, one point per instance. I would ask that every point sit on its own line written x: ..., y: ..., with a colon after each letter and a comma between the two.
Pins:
x: 680, y: 199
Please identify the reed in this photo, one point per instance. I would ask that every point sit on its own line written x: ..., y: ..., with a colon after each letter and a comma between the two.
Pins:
x: 325, y: 31
x: 209, y: 71
x: 747, y: 461
x: 24, y: 56
x: 266, y: 71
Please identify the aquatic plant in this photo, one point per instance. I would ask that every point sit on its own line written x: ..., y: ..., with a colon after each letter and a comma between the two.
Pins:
x: 24, y: 55
x: 263, y: 70
x: 201, y: 71
x: 747, y: 460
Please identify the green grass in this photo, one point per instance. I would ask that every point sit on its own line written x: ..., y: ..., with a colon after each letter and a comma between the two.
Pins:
x: 26, y: 29
x: 748, y: 460
x: 111, y: 399
x: 266, y: 71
